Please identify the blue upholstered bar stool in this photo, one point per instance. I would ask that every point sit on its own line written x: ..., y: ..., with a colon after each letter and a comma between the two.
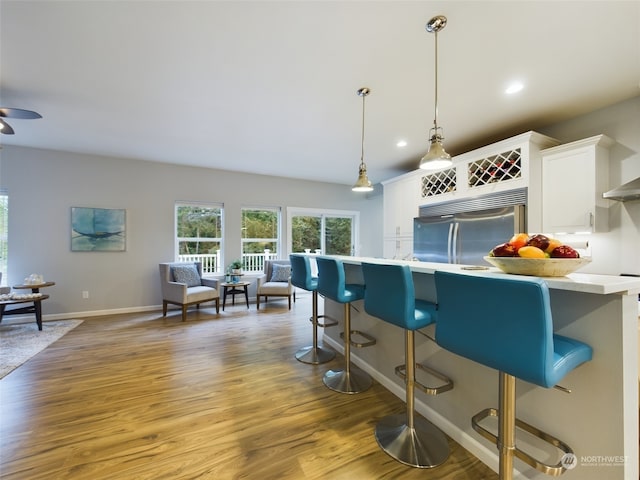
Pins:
x: 505, y: 323
x: 331, y: 284
x: 301, y: 277
x: 390, y: 296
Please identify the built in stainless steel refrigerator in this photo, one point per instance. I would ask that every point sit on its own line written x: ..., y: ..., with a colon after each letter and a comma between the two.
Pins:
x: 465, y: 237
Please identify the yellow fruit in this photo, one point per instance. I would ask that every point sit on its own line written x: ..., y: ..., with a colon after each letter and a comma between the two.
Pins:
x: 553, y: 243
x: 530, y: 252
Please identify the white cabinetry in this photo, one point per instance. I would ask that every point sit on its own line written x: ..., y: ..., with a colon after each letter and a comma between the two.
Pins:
x: 401, y: 201
x: 574, y: 176
x: 510, y: 164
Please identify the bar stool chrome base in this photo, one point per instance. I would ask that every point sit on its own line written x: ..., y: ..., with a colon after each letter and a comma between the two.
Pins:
x: 347, y: 381
x: 423, y: 446
x: 314, y: 355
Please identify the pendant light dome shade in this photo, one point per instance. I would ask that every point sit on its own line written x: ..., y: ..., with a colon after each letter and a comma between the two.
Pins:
x: 362, y: 184
x: 436, y: 157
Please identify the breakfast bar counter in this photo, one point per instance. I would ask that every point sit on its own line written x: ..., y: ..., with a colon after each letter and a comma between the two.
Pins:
x: 598, y: 419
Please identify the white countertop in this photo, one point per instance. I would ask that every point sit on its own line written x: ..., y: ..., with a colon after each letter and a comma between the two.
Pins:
x: 578, y: 282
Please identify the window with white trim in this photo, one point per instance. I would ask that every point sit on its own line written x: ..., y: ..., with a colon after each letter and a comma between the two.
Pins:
x: 330, y: 232
x: 199, y: 234
x: 260, y: 236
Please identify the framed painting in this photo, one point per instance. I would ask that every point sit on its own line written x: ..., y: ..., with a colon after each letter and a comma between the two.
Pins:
x: 98, y: 229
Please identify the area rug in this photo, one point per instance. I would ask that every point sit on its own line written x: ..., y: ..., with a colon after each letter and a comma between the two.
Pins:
x: 19, y: 342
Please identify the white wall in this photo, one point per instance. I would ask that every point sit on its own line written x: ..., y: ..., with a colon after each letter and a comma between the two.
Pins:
x: 43, y: 185
x: 616, y: 251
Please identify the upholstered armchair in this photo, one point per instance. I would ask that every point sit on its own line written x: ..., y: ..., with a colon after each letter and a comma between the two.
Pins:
x: 182, y: 284
x: 275, y: 281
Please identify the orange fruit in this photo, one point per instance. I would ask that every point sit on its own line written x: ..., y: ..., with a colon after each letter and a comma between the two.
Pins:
x: 519, y: 240
x: 531, y: 252
x: 553, y: 243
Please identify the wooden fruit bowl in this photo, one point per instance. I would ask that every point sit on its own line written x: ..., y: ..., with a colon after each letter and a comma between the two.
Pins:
x: 538, y: 267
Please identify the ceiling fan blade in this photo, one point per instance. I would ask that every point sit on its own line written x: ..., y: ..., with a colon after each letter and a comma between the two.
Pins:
x: 5, y: 128
x: 19, y: 113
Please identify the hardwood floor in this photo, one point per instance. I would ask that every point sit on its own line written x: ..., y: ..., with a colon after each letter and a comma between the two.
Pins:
x: 139, y: 396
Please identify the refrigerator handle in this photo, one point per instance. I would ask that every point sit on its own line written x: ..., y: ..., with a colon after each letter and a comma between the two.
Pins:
x: 450, y: 241
x: 519, y: 219
x: 454, y: 243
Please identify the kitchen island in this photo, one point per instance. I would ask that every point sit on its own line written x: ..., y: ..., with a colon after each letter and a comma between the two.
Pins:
x: 599, y: 419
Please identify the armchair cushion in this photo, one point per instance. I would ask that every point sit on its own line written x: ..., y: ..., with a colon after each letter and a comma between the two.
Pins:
x: 280, y: 273
x: 187, y: 274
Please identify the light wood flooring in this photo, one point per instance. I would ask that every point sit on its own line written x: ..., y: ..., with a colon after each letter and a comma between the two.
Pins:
x: 138, y: 396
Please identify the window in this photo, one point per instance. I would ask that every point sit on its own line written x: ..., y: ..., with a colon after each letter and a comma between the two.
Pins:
x: 329, y: 232
x: 260, y: 237
x: 4, y: 223
x: 199, y: 235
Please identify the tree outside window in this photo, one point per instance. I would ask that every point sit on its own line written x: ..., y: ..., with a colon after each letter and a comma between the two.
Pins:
x: 260, y: 236
x: 199, y: 235
x: 330, y: 233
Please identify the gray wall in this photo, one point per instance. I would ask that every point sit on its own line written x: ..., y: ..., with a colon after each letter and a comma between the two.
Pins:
x: 43, y: 185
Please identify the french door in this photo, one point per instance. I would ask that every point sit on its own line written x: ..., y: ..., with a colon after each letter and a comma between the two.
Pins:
x: 321, y: 231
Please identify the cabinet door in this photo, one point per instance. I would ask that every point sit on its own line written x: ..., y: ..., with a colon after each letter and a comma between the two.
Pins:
x: 573, y: 179
x: 400, y: 207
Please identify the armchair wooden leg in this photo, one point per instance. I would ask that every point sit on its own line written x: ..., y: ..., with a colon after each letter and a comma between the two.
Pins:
x: 289, y: 302
x: 164, y: 308
x: 217, y: 305
x: 184, y: 313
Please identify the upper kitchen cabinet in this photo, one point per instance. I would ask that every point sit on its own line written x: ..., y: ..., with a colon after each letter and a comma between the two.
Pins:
x: 574, y: 177
x: 510, y: 164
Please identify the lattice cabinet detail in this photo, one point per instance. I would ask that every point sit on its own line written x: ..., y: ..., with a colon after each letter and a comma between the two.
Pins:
x: 439, y: 182
x: 497, y: 168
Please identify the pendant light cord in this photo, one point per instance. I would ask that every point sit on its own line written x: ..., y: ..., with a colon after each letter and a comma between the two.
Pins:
x: 435, y: 115
x: 362, y: 137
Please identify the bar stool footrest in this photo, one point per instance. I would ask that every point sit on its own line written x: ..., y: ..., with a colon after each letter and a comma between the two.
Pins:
x: 330, y: 322
x: 444, y: 387
x: 552, y: 470
x: 370, y: 340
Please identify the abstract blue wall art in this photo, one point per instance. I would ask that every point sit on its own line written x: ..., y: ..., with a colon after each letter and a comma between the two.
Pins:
x: 98, y: 229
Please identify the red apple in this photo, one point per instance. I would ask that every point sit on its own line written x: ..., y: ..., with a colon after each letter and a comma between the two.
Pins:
x: 564, y: 251
x: 504, y: 250
x: 540, y: 241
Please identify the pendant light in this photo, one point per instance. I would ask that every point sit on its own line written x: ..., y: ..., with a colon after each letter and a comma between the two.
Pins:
x: 362, y: 184
x: 436, y: 157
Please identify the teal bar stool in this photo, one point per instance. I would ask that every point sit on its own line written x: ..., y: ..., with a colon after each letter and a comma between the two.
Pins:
x: 301, y: 277
x: 505, y: 323
x: 332, y: 285
x: 390, y: 296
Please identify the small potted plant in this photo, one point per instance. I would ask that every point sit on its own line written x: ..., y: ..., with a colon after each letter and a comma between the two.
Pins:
x: 234, y: 271
x: 235, y: 267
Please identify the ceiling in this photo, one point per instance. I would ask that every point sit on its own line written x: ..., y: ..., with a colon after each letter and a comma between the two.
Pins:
x: 270, y: 87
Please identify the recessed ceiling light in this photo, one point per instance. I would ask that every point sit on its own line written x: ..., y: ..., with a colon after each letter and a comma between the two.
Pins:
x: 514, y: 87
x: 401, y: 143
